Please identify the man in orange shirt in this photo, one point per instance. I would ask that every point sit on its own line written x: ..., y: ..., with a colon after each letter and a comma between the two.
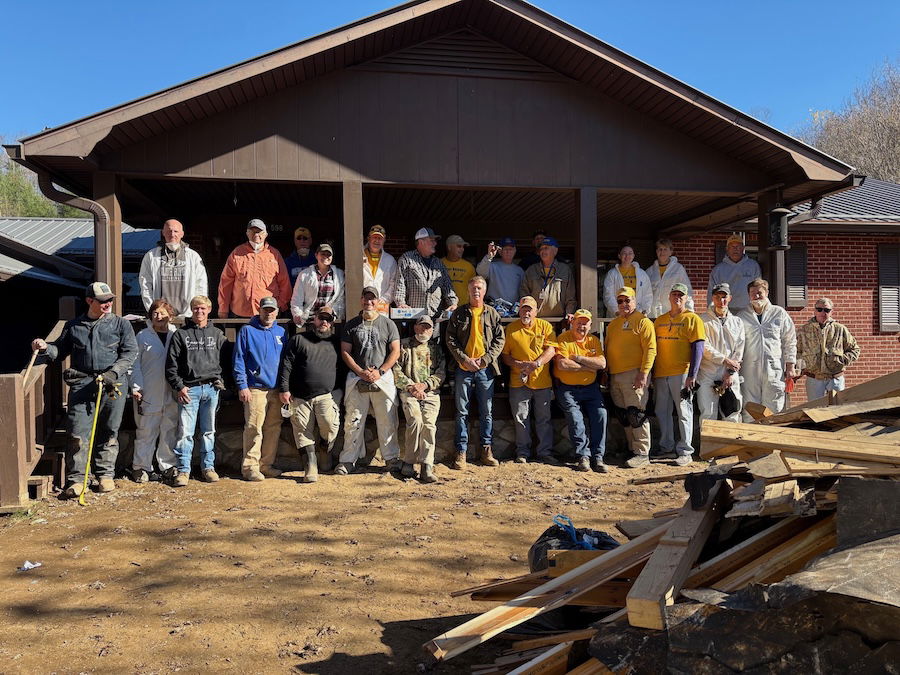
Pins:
x: 252, y: 272
x: 579, y: 357
x: 680, y: 339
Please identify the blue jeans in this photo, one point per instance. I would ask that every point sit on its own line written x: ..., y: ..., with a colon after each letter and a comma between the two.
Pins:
x: 578, y: 402
x: 525, y: 403
x: 818, y: 388
x: 482, y: 382
x: 201, y: 409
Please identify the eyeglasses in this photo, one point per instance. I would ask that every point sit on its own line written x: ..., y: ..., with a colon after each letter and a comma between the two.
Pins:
x: 827, y: 310
x: 623, y: 301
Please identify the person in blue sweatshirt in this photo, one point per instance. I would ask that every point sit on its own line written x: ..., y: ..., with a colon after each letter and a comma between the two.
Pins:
x: 257, y: 353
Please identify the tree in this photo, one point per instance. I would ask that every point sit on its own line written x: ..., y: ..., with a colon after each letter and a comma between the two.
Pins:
x: 20, y: 196
x: 866, y: 132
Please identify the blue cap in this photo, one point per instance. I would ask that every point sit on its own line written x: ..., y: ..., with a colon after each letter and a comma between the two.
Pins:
x: 507, y: 241
x: 549, y: 241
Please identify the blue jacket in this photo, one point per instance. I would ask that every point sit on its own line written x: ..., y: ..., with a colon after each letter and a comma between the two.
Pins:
x: 257, y: 352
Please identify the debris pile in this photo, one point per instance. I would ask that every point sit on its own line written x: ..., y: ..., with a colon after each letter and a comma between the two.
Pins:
x: 786, y: 554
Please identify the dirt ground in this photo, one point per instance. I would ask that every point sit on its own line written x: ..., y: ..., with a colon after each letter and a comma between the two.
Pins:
x: 348, y: 575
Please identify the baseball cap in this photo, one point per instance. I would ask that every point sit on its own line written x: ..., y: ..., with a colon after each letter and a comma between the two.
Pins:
x: 528, y: 301
x: 734, y: 237
x: 456, y: 239
x: 302, y: 230
x: 507, y: 241
x: 722, y: 288
x: 549, y: 241
x: 626, y: 291
x: 425, y: 232
x: 425, y: 319
x: 370, y: 289
x: 325, y: 247
x: 582, y: 314
x: 680, y: 288
x: 258, y: 224
x: 377, y: 229
x: 268, y: 303
x: 326, y: 310
x: 100, y: 290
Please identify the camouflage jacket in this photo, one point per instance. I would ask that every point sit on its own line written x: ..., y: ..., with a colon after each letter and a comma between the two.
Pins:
x: 826, y: 350
x: 419, y: 363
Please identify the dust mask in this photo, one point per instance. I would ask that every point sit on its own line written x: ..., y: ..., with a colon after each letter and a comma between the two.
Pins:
x: 759, y: 305
x: 256, y: 247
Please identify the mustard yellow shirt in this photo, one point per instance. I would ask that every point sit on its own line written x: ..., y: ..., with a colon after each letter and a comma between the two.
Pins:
x: 373, y: 260
x: 475, y: 347
x: 568, y: 346
x: 673, y: 342
x: 526, y: 344
x: 460, y: 272
x: 629, y: 276
x: 630, y: 344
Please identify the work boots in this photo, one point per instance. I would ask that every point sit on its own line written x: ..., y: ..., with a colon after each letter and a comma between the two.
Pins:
x: 487, y: 456
x: 426, y: 475
x: 323, y: 455
x: 459, y: 462
x: 312, y: 466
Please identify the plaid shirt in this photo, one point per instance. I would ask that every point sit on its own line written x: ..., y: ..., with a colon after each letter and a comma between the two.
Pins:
x: 424, y: 282
x: 326, y: 291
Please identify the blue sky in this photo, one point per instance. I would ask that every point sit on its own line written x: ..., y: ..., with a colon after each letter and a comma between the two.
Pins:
x: 776, y: 60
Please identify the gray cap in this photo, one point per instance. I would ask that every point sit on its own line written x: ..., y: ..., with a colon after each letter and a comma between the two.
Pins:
x: 425, y: 319
x: 456, y: 239
x: 268, y: 303
x: 99, y: 291
x: 722, y: 288
x: 325, y: 247
x: 426, y: 233
x: 258, y: 224
x: 370, y: 289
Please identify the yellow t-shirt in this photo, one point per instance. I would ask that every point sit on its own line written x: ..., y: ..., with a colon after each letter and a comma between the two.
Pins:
x: 460, y: 272
x: 630, y: 344
x: 662, y: 270
x: 526, y: 344
x: 629, y: 276
x: 568, y: 347
x: 475, y: 347
x: 373, y: 261
x: 673, y: 342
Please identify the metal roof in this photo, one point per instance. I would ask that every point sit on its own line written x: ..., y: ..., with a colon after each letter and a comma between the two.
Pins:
x: 10, y: 267
x: 72, y: 236
x: 876, y: 201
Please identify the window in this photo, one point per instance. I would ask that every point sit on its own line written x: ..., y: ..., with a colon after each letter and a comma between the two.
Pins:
x: 889, y: 288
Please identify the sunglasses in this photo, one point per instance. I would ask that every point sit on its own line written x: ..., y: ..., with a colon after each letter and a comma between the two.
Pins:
x: 325, y: 317
x: 827, y: 310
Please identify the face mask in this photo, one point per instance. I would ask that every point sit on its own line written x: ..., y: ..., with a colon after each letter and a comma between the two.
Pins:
x: 424, y: 337
x: 303, y: 252
x: 173, y: 245
x: 759, y: 305
x: 256, y: 247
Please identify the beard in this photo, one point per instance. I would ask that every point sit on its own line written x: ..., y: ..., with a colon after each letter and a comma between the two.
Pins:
x: 424, y: 337
x: 369, y: 314
x: 324, y: 333
x: 303, y: 252
x: 173, y: 245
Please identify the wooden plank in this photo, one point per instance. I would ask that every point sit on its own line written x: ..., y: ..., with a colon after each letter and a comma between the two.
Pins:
x: 609, y: 594
x: 800, y: 441
x: 768, y: 466
x: 671, y: 562
x: 548, y: 640
x: 591, y: 667
x: 757, y: 410
x: 779, y: 498
x: 886, y: 386
x: 555, y: 661
x: 566, y: 561
x: 635, y: 528
x: 553, y: 594
x: 13, y: 472
x: 785, y: 558
x: 500, y: 583
x: 834, y: 411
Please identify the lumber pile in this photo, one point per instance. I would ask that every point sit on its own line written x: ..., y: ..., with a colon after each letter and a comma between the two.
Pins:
x: 772, y: 500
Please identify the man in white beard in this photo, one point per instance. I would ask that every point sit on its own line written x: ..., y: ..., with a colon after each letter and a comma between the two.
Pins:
x: 770, y: 350
x: 172, y: 270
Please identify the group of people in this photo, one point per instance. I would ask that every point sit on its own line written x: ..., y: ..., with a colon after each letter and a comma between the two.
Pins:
x: 743, y: 348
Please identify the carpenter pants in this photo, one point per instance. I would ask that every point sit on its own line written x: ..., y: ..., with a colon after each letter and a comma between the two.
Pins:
x: 356, y: 408
x: 623, y: 395
x: 421, y: 426
x: 323, y: 411
x: 81, y: 406
x: 155, y: 436
x: 668, y: 396
x: 262, y: 429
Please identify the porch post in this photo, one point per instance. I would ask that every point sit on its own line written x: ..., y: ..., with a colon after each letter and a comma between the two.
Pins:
x: 586, y: 248
x: 772, y: 262
x: 353, y: 241
x: 108, y: 240
x: 13, y: 470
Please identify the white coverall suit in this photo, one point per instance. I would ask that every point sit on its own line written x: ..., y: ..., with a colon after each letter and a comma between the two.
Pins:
x: 158, y: 425
x: 724, y: 340
x: 770, y: 343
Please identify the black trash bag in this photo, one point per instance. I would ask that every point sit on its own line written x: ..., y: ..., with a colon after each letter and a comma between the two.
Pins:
x: 557, y: 538
x: 728, y: 403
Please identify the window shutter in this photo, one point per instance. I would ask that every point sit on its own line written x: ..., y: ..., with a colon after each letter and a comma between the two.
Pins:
x: 795, y: 275
x: 720, y: 252
x: 889, y: 288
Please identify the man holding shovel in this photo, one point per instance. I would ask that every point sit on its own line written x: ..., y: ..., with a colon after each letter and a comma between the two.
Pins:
x: 103, y: 348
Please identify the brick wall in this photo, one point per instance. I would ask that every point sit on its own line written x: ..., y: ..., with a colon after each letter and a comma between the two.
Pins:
x: 839, y: 266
